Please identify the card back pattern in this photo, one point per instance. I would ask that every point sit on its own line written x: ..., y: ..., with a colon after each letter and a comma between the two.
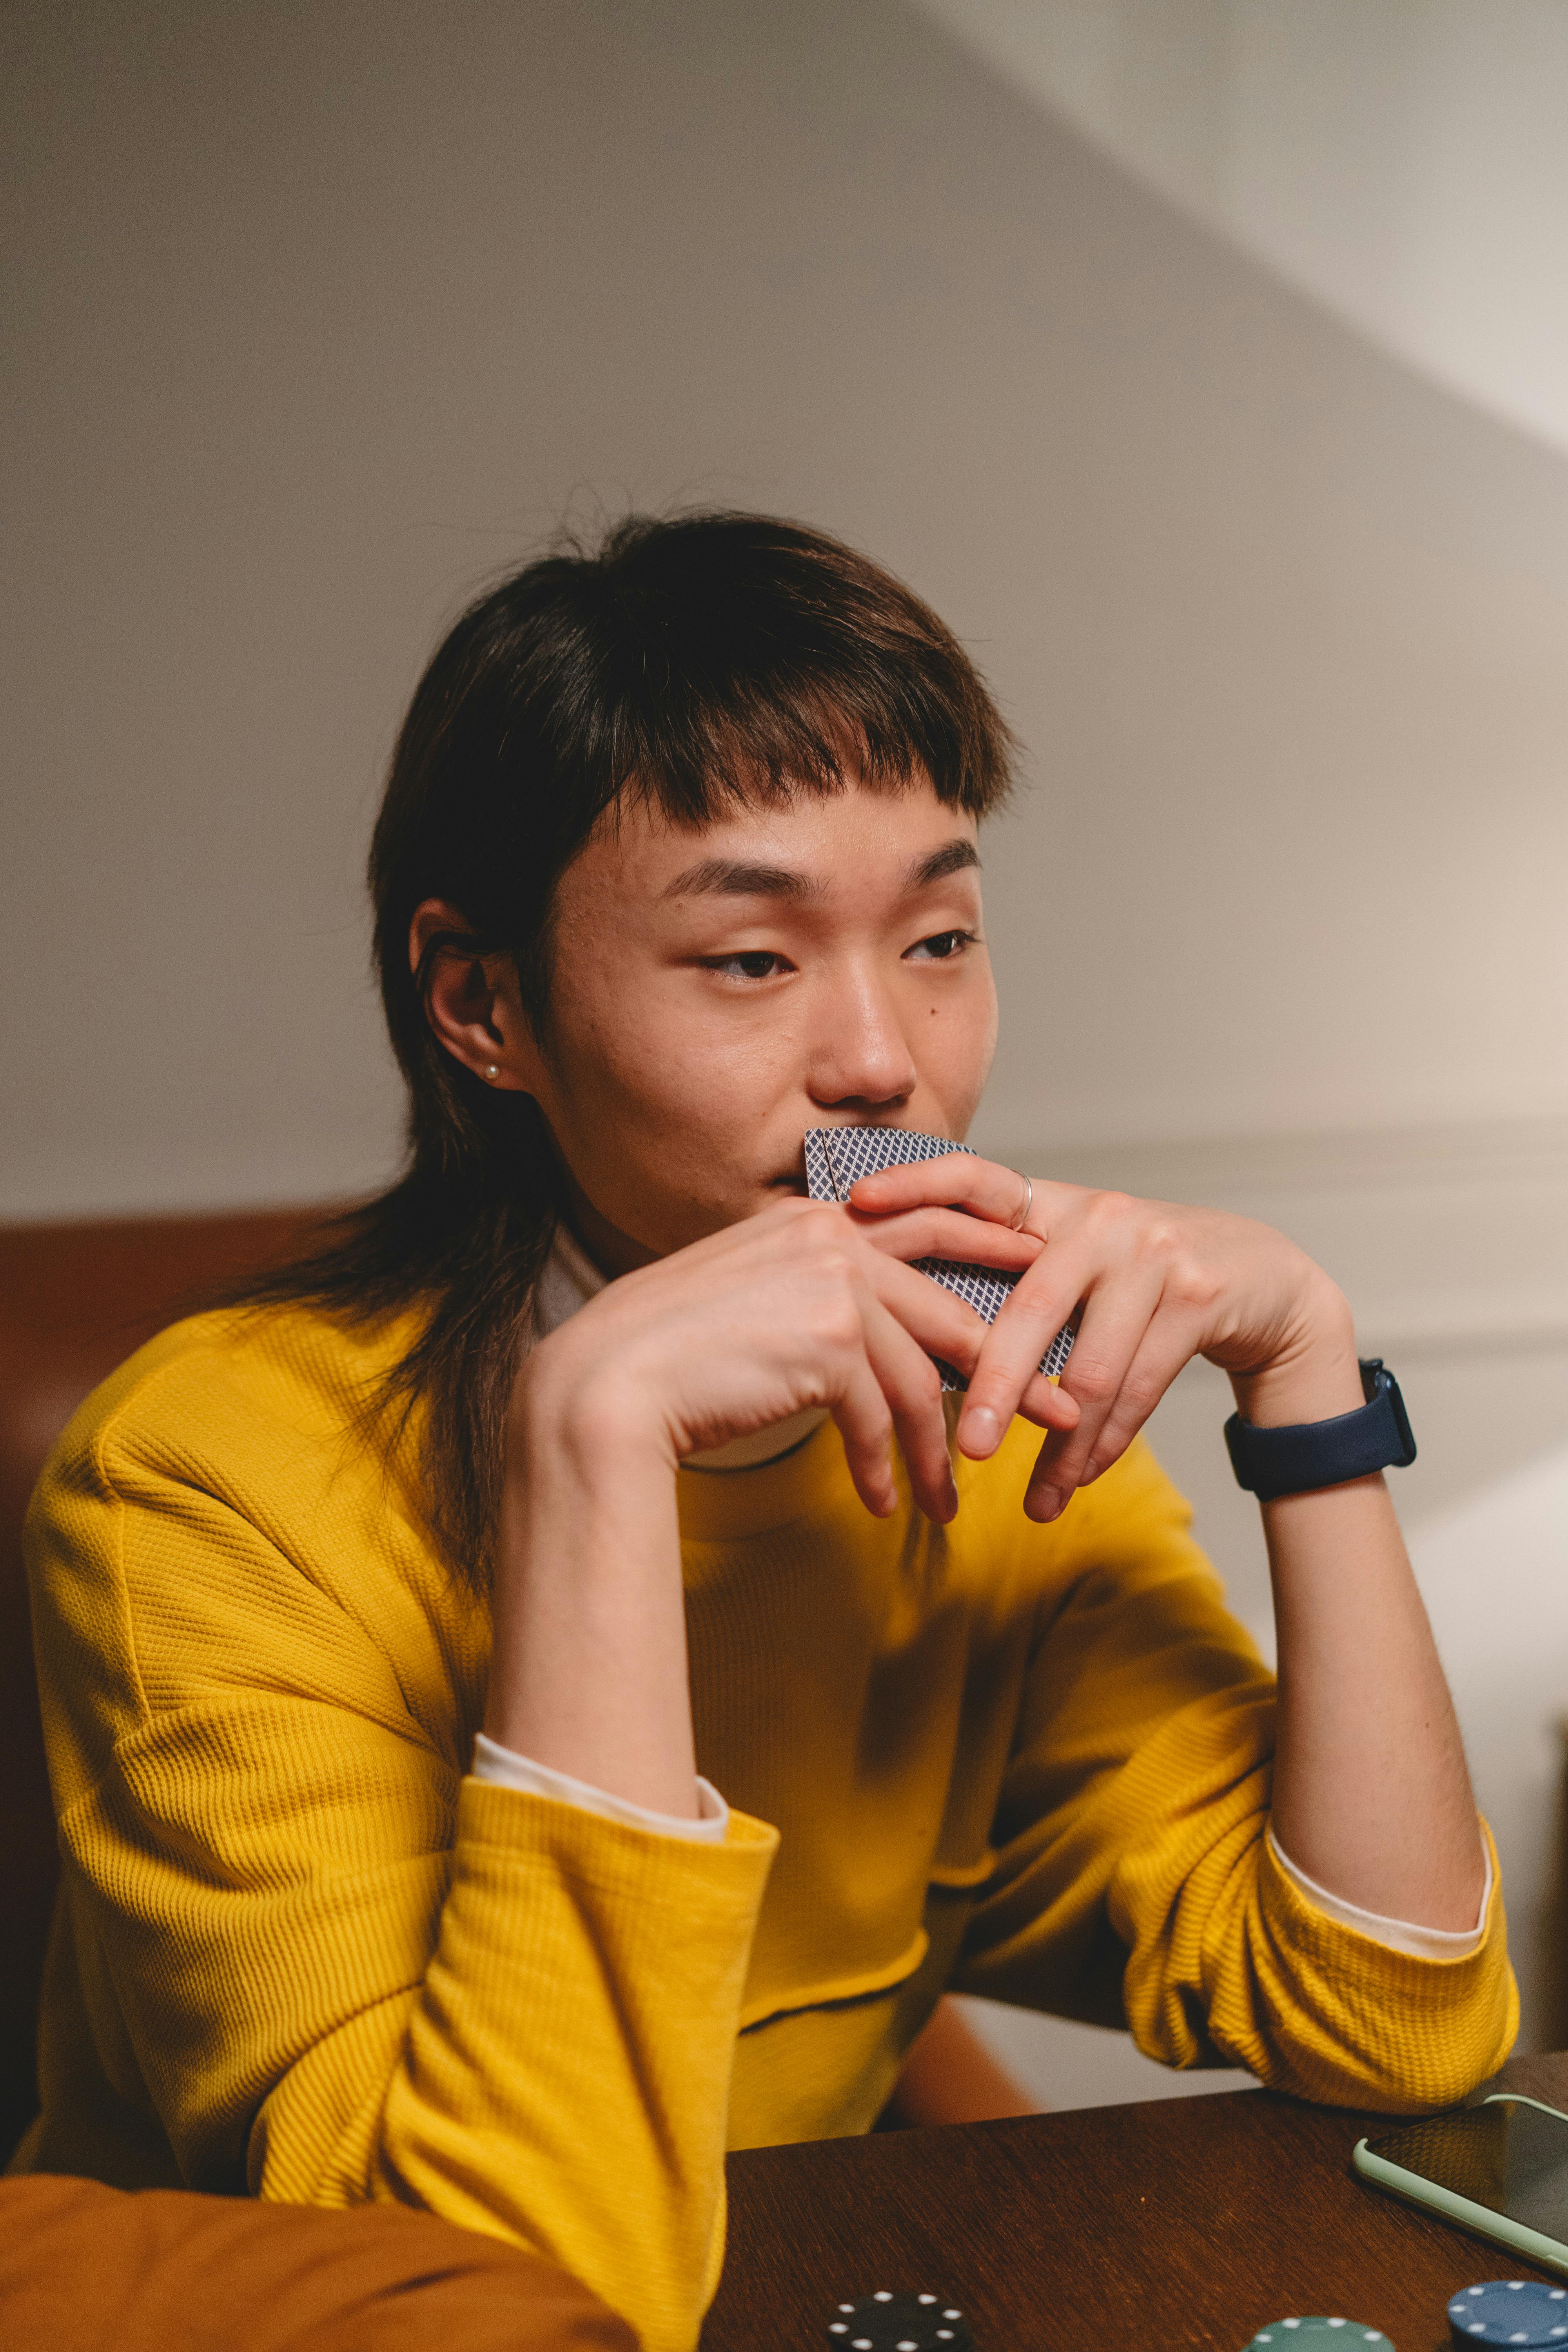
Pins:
x: 835, y: 1160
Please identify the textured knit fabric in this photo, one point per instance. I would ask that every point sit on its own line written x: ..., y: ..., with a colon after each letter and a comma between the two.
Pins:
x: 298, y: 1951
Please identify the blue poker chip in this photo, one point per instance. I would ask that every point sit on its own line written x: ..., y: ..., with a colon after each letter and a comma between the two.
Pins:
x: 1509, y: 2311
x: 1318, y: 2332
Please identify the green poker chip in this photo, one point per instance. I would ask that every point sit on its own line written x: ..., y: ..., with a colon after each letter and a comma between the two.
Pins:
x: 1320, y: 2333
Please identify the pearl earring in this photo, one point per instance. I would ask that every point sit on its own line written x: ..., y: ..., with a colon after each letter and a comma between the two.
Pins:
x: 493, y: 1071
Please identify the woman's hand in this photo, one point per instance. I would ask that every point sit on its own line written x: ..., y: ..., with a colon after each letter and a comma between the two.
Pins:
x: 1157, y: 1285
x: 806, y: 1305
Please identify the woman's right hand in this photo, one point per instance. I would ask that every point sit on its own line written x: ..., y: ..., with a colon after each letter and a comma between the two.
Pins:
x: 806, y: 1305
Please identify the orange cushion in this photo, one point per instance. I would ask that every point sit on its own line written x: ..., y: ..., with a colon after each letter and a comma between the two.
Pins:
x: 89, y: 2269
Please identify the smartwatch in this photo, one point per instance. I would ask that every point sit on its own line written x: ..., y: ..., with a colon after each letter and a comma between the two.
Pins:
x: 1310, y: 1454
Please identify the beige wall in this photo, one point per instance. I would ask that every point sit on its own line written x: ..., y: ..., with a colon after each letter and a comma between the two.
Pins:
x: 322, y: 314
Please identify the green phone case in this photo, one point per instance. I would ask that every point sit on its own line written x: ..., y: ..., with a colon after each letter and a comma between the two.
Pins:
x: 1549, y: 2252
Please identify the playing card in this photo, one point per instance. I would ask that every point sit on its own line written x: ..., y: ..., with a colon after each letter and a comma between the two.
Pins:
x: 838, y: 1157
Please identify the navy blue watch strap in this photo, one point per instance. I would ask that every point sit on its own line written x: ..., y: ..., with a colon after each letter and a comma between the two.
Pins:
x: 1307, y: 1455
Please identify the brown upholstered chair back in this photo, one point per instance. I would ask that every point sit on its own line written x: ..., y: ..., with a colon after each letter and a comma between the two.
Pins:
x: 75, y: 1300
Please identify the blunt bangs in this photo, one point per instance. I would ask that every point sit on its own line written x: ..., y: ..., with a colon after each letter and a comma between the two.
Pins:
x: 746, y: 658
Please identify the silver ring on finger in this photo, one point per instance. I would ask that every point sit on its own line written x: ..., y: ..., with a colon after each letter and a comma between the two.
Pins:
x: 1017, y: 1223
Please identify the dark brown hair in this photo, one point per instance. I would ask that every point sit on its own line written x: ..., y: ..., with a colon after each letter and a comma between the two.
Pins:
x: 695, y: 661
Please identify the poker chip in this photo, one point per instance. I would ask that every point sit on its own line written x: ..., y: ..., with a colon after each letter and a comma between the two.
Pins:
x: 1511, y: 2310
x: 885, y: 2321
x: 1319, y: 2333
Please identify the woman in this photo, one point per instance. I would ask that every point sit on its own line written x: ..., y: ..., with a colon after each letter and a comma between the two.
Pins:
x: 515, y: 1726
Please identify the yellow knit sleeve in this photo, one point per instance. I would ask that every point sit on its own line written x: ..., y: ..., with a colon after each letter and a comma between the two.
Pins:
x: 559, y: 2073
x: 332, y: 1969
x: 1134, y: 1884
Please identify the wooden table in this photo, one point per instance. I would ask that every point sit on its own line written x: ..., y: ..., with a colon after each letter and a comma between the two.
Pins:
x: 1188, y: 2221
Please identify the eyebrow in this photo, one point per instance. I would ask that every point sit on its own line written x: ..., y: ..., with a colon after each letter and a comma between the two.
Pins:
x: 953, y: 857
x: 730, y: 878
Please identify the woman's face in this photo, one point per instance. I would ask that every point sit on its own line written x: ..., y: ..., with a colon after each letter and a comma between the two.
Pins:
x: 717, y: 991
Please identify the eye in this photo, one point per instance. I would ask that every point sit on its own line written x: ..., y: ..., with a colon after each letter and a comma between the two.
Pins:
x: 941, y: 948
x: 754, y: 964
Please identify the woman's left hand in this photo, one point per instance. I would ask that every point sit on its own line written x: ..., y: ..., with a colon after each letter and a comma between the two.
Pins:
x: 1361, y: 1701
x: 1157, y: 1285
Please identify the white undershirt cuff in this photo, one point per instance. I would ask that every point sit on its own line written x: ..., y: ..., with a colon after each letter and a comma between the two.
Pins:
x: 508, y: 1769
x: 1400, y: 1935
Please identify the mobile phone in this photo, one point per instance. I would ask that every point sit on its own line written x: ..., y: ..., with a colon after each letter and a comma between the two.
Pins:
x: 1499, y: 2168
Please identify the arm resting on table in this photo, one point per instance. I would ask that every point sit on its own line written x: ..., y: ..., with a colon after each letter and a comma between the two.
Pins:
x: 1135, y: 1882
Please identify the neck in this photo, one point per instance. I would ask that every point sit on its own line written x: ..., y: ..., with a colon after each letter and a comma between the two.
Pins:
x: 611, y: 1251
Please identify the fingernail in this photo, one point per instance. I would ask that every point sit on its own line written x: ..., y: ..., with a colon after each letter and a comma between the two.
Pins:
x: 979, y: 1431
x: 1045, y: 1504
x: 951, y: 1499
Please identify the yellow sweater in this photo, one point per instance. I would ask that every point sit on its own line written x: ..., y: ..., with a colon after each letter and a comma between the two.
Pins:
x: 298, y: 1951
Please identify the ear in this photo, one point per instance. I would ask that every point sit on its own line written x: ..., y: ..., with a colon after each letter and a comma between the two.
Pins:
x: 473, y: 1003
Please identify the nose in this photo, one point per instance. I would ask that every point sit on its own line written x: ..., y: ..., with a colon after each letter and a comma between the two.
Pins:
x: 860, y: 1059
